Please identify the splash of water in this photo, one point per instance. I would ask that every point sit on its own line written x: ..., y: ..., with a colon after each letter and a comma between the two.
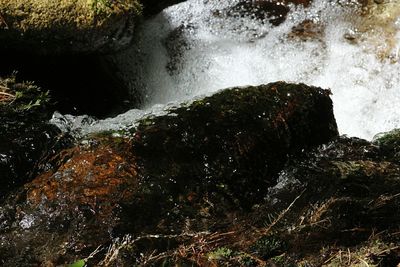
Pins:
x: 196, y: 48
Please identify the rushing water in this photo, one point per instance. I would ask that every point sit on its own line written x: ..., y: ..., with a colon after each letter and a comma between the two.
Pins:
x: 199, y: 46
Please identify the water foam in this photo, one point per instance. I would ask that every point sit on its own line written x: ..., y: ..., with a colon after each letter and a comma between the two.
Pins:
x: 193, y: 49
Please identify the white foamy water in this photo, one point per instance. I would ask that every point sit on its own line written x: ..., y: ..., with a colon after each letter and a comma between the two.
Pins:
x: 195, y: 48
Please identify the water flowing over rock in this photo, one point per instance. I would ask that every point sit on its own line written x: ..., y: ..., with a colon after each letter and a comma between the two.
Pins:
x: 196, y: 47
x: 199, y: 164
x: 52, y: 26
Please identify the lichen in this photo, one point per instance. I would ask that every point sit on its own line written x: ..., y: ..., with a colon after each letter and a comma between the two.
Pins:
x: 31, y: 15
x: 82, y: 25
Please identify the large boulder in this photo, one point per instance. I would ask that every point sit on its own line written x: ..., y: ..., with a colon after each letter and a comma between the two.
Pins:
x: 189, y: 170
x: 54, y: 26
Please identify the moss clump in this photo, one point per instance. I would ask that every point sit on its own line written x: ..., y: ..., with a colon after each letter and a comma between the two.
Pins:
x: 389, y: 143
x: 23, y: 96
x: 268, y: 246
x: 220, y: 254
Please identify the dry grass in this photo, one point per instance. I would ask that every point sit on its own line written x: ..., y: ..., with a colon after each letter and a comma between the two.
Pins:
x: 366, y: 255
x: 6, y: 94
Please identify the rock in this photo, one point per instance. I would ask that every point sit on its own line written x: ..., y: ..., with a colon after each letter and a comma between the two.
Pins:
x: 191, y: 169
x: 390, y: 144
x: 377, y: 27
x: 78, y: 84
x: 26, y: 138
x: 334, y: 199
x: 235, y: 137
x: 274, y: 12
x: 338, y: 203
x: 307, y: 30
x: 153, y: 7
x: 53, y: 27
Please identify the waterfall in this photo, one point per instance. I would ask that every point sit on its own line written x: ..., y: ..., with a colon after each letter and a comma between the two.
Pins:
x: 200, y: 46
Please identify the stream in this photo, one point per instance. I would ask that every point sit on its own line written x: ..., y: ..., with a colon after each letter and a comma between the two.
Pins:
x: 200, y: 46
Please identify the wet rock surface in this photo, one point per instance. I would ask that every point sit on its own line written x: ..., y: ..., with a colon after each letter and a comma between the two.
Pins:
x: 338, y: 205
x: 274, y: 12
x: 194, y: 168
x: 336, y: 198
x: 27, y: 140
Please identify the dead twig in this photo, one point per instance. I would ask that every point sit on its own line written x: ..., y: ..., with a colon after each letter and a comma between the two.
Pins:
x: 7, y: 94
x: 363, y: 261
x: 281, y: 215
x: 3, y: 21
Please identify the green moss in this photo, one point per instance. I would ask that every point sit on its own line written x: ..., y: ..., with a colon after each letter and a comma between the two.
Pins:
x: 389, y: 143
x: 245, y: 259
x: 23, y: 14
x: 268, y: 246
x: 220, y: 254
x: 79, y: 263
x: 23, y: 96
x: 388, y: 139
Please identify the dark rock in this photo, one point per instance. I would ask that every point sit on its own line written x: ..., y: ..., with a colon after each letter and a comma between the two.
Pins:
x: 347, y: 190
x: 336, y: 204
x: 192, y: 169
x: 177, y: 45
x: 240, y: 135
x: 274, y: 12
x: 78, y: 84
x: 153, y: 7
x: 26, y: 137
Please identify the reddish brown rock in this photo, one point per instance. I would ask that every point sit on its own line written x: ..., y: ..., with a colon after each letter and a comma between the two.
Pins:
x: 91, y: 175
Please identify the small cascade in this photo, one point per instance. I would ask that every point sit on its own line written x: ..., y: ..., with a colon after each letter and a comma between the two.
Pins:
x: 200, y: 46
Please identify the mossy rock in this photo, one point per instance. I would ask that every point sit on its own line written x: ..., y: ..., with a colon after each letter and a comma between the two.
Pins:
x: 236, y: 139
x: 389, y: 143
x: 62, y: 26
x: 192, y: 168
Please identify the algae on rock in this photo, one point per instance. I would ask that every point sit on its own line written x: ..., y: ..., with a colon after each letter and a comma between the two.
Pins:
x: 62, y: 26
